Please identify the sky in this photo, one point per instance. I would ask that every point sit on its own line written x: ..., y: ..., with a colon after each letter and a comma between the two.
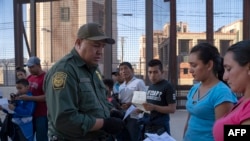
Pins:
x: 133, y: 26
x: 189, y: 11
x: 7, y: 30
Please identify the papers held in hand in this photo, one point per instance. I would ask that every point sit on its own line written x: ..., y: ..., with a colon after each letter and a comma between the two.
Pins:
x: 139, y: 97
x: 163, y: 137
x: 4, y: 103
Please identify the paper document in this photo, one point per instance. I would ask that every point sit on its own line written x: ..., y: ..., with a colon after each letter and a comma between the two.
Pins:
x: 155, y: 137
x: 139, y: 97
x: 129, y: 111
x: 4, y: 103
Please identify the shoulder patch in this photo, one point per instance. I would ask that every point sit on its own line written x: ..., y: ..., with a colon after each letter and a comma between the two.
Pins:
x: 58, y: 80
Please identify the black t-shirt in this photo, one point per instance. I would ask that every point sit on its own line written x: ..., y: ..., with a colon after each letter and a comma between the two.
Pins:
x: 162, y: 94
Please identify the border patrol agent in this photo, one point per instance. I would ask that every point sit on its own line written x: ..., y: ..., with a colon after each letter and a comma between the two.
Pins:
x: 78, y: 109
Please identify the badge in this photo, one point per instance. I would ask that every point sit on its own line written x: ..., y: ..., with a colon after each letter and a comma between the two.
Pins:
x: 58, y: 80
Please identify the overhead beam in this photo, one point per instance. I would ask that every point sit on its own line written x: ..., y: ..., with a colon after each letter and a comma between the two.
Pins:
x: 28, y: 1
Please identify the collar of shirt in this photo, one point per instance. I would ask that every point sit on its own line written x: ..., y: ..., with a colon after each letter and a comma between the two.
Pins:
x: 126, y: 83
x: 80, y: 62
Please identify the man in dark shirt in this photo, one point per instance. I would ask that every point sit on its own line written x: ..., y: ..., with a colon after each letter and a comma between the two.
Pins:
x: 161, y: 99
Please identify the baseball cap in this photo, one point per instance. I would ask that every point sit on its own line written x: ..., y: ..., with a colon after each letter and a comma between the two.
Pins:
x: 114, y: 72
x: 93, y: 31
x: 33, y: 61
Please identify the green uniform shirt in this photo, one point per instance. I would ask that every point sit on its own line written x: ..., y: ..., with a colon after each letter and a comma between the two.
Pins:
x: 75, y: 96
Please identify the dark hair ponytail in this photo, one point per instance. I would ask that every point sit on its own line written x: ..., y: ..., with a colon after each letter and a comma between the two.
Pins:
x: 207, y: 52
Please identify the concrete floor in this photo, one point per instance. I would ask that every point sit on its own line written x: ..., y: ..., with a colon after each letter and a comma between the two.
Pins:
x: 177, y: 123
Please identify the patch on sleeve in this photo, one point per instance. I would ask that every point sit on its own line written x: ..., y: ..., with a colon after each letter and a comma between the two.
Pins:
x: 58, y: 80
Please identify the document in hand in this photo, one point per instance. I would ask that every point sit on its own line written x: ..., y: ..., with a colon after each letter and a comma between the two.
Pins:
x: 139, y: 97
x: 4, y: 103
x: 163, y: 137
x: 129, y: 111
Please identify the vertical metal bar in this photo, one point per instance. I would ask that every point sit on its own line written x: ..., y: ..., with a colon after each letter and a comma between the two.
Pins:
x: 246, y: 19
x: 26, y: 39
x: 149, y: 35
x: 172, y: 75
x: 51, y: 33
x: 18, y: 19
x: 209, y: 21
x: 33, y: 27
x: 108, y: 30
x: 122, y: 45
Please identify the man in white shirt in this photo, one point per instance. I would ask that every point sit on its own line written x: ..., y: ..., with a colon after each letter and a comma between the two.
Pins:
x: 126, y: 90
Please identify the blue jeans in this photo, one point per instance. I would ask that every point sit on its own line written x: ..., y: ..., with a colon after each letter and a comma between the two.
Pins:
x: 41, y: 128
x: 160, y: 121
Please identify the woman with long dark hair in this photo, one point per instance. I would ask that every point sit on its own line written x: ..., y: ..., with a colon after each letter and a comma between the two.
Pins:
x: 209, y: 99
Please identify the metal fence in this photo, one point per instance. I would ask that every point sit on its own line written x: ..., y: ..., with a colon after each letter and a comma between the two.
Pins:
x: 140, y: 35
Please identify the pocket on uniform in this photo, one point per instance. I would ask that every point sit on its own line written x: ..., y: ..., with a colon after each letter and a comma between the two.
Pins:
x: 86, y: 87
x: 86, y: 94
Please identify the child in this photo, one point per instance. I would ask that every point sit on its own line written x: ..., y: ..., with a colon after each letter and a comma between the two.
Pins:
x: 112, y: 98
x: 109, y: 88
x: 20, y: 73
x: 23, y: 110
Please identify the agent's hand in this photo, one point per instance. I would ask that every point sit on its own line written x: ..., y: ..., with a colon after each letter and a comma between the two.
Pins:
x: 113, y: 125
x: 148, y: 106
